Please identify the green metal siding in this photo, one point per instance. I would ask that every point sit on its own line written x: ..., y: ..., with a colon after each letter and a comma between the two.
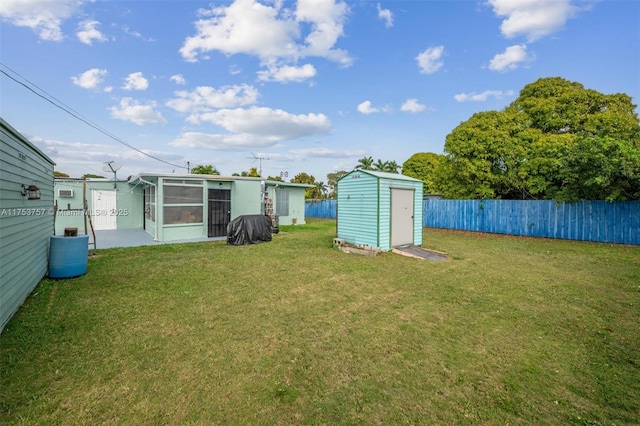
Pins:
x: 358, y: 209
x: 25, y: 225
x: 364, y: 207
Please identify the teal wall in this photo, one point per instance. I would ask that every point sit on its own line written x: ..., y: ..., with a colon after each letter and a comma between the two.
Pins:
x: 246, y: 198
x: 296, y: 204
x: 358, y: 209
x: 364, y: 207
x: 25, y: 225
x: 129, y: 207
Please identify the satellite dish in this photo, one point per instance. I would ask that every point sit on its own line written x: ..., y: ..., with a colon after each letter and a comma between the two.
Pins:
x: 111, y: 166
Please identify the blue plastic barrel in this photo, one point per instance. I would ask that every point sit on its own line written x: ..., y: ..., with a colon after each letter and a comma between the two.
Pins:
x: 68, y: 256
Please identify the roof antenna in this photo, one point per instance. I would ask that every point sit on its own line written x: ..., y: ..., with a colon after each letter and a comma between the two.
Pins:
x: 258, y: 157
x: 113, y: 167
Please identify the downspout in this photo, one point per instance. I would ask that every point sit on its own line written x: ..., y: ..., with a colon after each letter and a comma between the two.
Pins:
x: 155, y: 222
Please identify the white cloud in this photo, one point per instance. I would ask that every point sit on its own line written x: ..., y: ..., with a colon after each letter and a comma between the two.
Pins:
x: 273, y: 33
x: 220, y: 142
x: 512, y: 58
x: 532, y: 18
x: 135, y: 81
x: 267, y: 122
x: 366, y: 108
x: 386, y: 16
x: 43, y: 16
x: 178, y: 79
x: 253, y: 127
x: 326, y: 153
x: 287, y: 73
x: 412, y: 105
x: 429, y: 61
x: 483, y: 96
x: 135, y: 112
x: 88, y: 32
x: 90, y: 79
x: 206, y: 98
x: 78, y: 158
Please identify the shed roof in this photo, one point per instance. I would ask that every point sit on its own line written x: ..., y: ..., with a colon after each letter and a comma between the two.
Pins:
x: 382, y: 175
x: 26, y: 141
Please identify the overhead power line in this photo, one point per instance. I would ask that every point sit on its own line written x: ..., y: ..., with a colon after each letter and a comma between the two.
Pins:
x: 61, y: 105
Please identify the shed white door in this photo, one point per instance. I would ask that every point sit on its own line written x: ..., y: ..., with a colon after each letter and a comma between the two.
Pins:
x: 103, y: 209
x: 401, y: 217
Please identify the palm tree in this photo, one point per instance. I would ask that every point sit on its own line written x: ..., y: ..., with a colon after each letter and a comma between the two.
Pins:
x: 365, y: 163
x: 380, y: 165
x: 320, y: 190
x: 391, y: 167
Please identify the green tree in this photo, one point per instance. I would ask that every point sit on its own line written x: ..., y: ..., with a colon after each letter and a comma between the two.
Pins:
x: 557, y: 140
x: 379, y: 166
x: 308, y: 179
x: 209, y: 169
x: 424, y: 166
x: 57, y: 174
x: 391, y: 167
x: 332, y: 182
x: 319, y: 191
x: 276, y: 178
x: 365, y: 163
x: 253, y: 172
x: 92, y: 176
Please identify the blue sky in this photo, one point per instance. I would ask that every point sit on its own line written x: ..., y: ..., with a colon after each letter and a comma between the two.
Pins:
x: 310, y: 85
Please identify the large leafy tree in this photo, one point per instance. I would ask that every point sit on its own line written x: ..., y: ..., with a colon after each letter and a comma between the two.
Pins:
x: 332, y: 182
x: 308, y: 179
x: 208, y: 169
x: 557, y: 140
x: 424, y: 166
x: 253, y: 172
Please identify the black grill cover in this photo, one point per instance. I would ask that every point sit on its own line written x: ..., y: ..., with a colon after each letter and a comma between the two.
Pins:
x: 249, y: 229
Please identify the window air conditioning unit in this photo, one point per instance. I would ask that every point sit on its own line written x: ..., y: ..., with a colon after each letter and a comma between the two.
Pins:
x: 65, y: 193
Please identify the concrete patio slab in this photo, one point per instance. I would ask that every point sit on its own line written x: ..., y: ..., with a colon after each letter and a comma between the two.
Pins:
x: 115, y: 238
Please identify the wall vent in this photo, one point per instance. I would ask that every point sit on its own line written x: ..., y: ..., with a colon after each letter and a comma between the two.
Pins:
x: 65, y: 193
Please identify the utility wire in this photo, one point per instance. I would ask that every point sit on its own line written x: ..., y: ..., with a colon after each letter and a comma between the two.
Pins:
x: 59, y: 104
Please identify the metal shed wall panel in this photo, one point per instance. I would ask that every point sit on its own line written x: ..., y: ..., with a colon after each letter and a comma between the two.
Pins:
x: 358, y: 209
x: 364, y: 207
x: 25, y: 225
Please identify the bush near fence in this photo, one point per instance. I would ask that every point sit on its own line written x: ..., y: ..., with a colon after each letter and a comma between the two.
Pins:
x: 598, y: 221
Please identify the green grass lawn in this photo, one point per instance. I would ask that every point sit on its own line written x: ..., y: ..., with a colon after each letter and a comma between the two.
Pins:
x: 507, y: 331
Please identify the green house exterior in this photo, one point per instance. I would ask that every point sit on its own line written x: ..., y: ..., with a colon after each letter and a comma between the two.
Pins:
x: 173, y: 207
x: 26, y: 225
x: 381, y: 210
x: 112, y: 206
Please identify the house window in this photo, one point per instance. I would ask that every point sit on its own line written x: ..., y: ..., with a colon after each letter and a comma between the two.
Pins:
x: 150, y: 203
x: 282, y: 202
x: 183, y: 201
x: 182, y: 194
x: 175, y: 215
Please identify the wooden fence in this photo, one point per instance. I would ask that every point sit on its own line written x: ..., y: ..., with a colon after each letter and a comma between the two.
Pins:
x: 598, y: 221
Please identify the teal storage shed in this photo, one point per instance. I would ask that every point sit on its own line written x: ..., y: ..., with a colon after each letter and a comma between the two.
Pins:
x: 377, y: 209
x: 26, y: 218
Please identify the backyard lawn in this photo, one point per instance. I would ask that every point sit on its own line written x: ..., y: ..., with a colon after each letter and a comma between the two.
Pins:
x: 506, y: 331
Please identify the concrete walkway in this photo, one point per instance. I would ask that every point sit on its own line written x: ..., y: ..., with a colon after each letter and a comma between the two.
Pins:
x: 135, y: 238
